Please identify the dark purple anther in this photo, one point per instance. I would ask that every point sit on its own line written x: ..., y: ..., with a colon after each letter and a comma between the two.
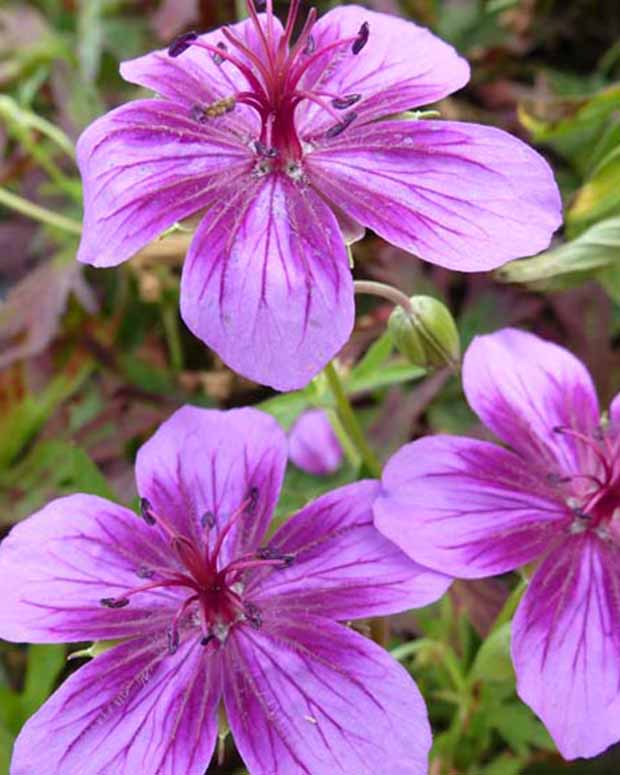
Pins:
x: 310, y: 46
x: 362, y: 38
x: 114, y: 602
x: 182, y: 43
x: 267, y: 553
x: 254, y: 616
x: 173, y: 640
x: 216, y: 57
x: 265, y: 151
x: 145, y: 573
x: 342, y: 103
x: 206, y: 640
x: 146, y: 512
x: 208, y: 520
x: 338, y: 129
x: 198, y: 114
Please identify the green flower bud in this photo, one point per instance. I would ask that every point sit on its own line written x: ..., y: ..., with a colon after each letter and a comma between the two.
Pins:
x: 427, y: 336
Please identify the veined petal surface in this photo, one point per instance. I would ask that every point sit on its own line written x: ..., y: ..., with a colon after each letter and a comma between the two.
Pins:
x: 145, y: 166
x: 566, y: 645
x: 311, y: 696
x: 56, y: 566
x: 267, y: 283
x: 465, y: 507
x: 402, y: 66
x: 529, y: 392
x: 463, y: 196
x: 135, y: 708
x: 343, y: 567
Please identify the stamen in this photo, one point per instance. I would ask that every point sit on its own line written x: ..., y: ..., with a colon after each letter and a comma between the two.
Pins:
x: 262, y: 150
x: 342, y: 103
x: 146, y: 512
x: 267, y: 553
x: 173, y: 639
x: 145, y: 573
x: 591, y: 444
x: 182, y: 43
x: 198, y: 114
x: 247, y: 507
x: 253, y: 615
x: 338, y: 129
x: 208, y: 520
x: 114, y: 602
x: 362, y: 38
x: 206, y: 640
x: 218, y: 58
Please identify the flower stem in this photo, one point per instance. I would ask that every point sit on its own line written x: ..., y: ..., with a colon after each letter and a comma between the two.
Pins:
x: 173, y: 336
x: 37, y: 213
x: 385, y: 292
x: 349, y: 421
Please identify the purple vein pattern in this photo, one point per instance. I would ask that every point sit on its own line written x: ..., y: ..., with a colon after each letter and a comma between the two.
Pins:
x: 203, y: 611
x: 277, y: 143
x: 473, y: 509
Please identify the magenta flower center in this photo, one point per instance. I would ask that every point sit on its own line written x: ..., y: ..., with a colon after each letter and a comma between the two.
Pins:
x: 274, y: 78
x: 593, y: 494
x: 214, y: 600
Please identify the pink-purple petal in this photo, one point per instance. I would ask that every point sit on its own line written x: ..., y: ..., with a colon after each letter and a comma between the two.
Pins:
x: 566, y: 645
x: 133, y: 709
x: 311, y: 697
x: 343, y: 567
x: 56, y: 566
x: 203, y: 465
x: 144, y: 166
x: 463, y: 196
x: 267, y: 283
x: 465, y: 507
x: 402, y: 66
x: 195, y: 79
x: 529, y: 392
x: 312, y: 444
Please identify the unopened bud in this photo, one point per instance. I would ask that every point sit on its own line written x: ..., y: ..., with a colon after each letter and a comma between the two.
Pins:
x: 427, y: 336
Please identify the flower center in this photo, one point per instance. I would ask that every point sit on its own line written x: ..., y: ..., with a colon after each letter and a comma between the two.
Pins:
x: 274, y: 76
x: 214, y: 600
x: 593, y: 494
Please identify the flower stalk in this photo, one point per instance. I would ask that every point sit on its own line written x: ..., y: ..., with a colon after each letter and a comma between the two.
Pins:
x: 349, y: 421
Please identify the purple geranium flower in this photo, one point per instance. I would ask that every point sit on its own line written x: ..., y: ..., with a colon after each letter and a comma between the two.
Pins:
x: 474, y: 509
x: 204, y: 612
x: 312, y: 444
x: 279, y: 143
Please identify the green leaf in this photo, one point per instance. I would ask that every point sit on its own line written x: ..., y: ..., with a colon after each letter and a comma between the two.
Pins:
x: 376, y: 355
x: 6, y: 748
x: 521, y: 729
x: 44, y: 666
x: 596, y: 251
x: 493, y: 663
x: 300, y: 488
x: 51, y: 469
x: 600, y: 194
x: 287, y: 407
x: 573, y: 127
